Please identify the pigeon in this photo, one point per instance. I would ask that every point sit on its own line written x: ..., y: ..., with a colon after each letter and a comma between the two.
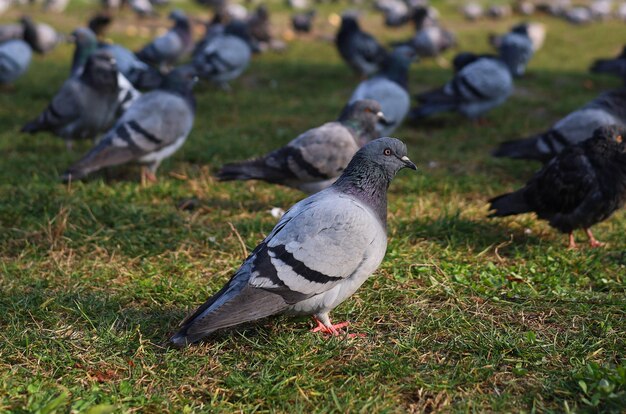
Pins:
x: 396, y: 12
x: 226, y: 56
x: 11, y: 31
x: 359, y: 49
x: 536, y: 32
x: 87, y: 104
x: 579, y: 15
x: 472, y: 11
x: 480, y: 84
x: 212, y: 29
x: 389, y: 88
x: 167, y: 49
x: 430, y: 39
x: 140, y: 74
x: 259, y: 25
x: 313, y: 161
x: 302, y: 22
x: 621, y: 11
x: 578, y: 188
x: 525, y: 8
x: 55, y: 6
x: 556, y: 8
x: 608, y: 109
x: 516, y: 48
x: 41, y: 37
x: 499, y: 11
x: 615, y: 66
x: 15, y: 57
x: 601, y: 9
x: 152, y: 129
x: 320, y: 252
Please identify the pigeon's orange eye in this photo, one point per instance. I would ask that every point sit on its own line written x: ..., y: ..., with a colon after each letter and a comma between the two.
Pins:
x: 387, y: 151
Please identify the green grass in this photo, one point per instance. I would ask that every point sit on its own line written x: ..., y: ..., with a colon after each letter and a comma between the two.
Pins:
x: 465, y: 314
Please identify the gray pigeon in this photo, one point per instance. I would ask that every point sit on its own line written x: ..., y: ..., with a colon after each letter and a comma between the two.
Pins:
x: 389, y: 88
x: 152, y: 129
x: 313, y: 160
x: 140, y: 74
x: 516, y: 48
x: 608, y: 109
x: 87, y: 104
x: 225, y: 56
x: 480, y: 84
x: 430, y: 39
x: 42, y: 37
x: 321, y: 251
x: 167, y: 49
x: 15, y: 57
x: 11, y: 31
x: 536, y: 32
x: 359, y: 49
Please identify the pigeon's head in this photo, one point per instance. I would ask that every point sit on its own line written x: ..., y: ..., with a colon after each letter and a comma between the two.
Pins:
x: 612, y: 135
x: 388, y: 154
x: 516, y: 50
x: 30, y: 31
x: 349, y: 22
x: 84, y: 37
x: 178, y: 16
x: 101, y: 71
x: 365, y: 112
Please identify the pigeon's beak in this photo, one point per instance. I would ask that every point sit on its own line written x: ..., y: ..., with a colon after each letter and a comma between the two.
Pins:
x: 381, y: 118
x: 408, y: 163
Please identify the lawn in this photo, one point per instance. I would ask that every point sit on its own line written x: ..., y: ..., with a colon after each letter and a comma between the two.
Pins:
x: 466, y: 314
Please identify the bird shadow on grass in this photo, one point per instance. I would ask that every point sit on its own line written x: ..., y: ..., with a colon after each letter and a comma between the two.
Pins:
x: 451, y: 230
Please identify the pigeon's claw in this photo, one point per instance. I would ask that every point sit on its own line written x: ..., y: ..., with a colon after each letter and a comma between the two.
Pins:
x: 333, y: 329
x: 593, y: 242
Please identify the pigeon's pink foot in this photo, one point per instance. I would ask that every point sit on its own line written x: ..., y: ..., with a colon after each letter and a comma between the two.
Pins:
x: 593, y: 242
x: 572, y: 242
x: 333, y: 329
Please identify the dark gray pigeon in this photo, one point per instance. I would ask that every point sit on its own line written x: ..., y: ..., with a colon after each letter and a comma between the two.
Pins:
x: 313, y: 160
x: 167, y: 49
x: 302, y: 22
x: 614, y: 66
x: 608, y: 109
x: 581, y: 186
x: 389, y: 88
x: 225, y: 56
x: 321, y: 251
x: 139, y: 73
x: 154, y: 127
x: 359, y: 49
x: 15, y: 57
x: 480, y: 84
x: 87, y: 104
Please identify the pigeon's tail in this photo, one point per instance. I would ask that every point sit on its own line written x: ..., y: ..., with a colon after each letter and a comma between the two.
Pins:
x: 255, y: 169
x: 31, y: 127
x: 104, y: 154
x: 229, y: 307
x: 612, y: 66
x: 433, y: 102
x: 509, y: 204
x: 539, y: 147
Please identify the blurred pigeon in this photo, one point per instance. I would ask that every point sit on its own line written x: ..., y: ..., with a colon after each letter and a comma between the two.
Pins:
x: 516, y: 48
x: 41, y: 37
x: 578, y: 188
x: 259, y: 25
x: 480, y: 84
x: 56, y: 6
x: 154, y: 127
x: 165, y: 50
x: 536, y: 32
x: 608, y: 109
x: 302, y: 22
x: 579, y: 15
x: 99, y: 24
x: 313, y: 160
x: 359, y: 49
x: 430, y: 38
x: 212, y: 28
x: 389, y: 88
x: 140, y: 74
x: 472, y: 11
x: 15, y: 57
x: 298, y: 4
x: 525, y: 8
x: 87, y: 104
x: 555, y: 8
x: 615, y: 66
x: 143, y: 8
x: 395, y: 12
x: 601, y: 9
x: 11, y: 31
x: 621, y: 11
x: 226, y: 56
x: 320, y: 252
x: 499, y: 11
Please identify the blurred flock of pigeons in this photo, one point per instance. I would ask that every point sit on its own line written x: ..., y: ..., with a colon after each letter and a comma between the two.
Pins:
x: 139, y: 106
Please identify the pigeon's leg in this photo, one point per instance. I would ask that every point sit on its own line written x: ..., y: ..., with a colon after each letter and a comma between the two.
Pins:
x: 147, y: 175
x: 325, y: 326
x: 572, y: 242
x: 592, y: 240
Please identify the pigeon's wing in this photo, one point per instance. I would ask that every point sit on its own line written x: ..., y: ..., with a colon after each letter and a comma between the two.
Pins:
x: 563, y: 184
x: 224, y: 54
x: 484, y: 79
x: 155, y: 121
x: 368, y: 47
x: 169, y: 46
x: 318, y: 243
x: 65, y: 107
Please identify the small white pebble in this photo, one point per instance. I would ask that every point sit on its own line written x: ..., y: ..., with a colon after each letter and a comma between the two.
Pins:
x: 433, y: 164
x: 528, y: 231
